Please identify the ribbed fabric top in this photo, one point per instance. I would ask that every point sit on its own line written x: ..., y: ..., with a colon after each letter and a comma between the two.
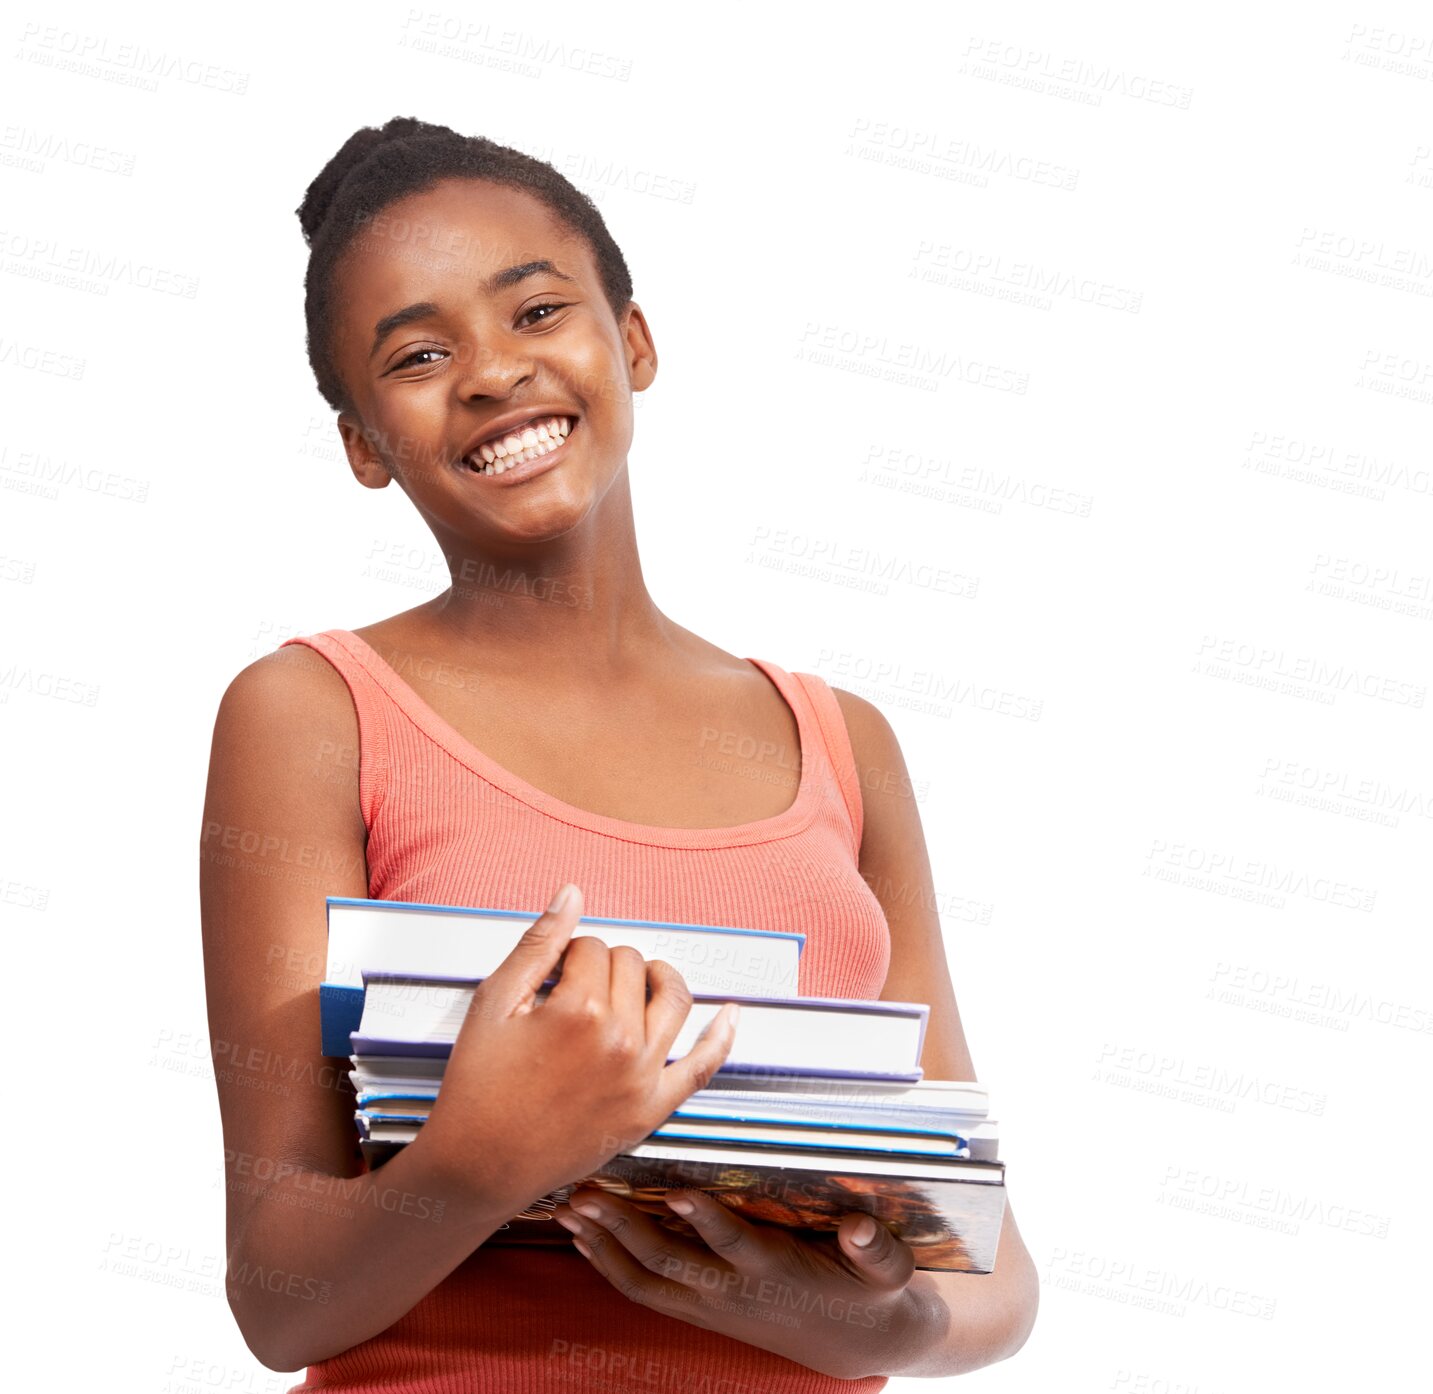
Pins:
x: 448, y: 825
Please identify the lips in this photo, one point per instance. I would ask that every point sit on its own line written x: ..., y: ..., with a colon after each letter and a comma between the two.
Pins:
x: 518, y: 431
x: 537, y: 448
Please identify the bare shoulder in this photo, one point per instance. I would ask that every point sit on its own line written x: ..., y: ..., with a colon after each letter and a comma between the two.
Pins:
x: 873, y: 741
x: 286, y: 728
x: 284, y: 678
x: 291, y: 689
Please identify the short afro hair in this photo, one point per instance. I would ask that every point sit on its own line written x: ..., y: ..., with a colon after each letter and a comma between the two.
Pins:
x: 377, y: 166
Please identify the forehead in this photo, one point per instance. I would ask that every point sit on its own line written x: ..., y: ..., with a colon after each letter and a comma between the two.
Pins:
x: 456, y: 234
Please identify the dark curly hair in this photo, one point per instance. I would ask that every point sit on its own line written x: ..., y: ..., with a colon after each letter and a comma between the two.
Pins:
x: 377, y: 166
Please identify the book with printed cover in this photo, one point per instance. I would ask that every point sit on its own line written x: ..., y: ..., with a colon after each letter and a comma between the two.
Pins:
x: 948, y: 1211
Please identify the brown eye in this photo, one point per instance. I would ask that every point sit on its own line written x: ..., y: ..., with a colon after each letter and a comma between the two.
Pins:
x: 417, y: 353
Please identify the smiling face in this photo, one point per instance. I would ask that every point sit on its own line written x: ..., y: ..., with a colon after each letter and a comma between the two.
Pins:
x: 467, y: 312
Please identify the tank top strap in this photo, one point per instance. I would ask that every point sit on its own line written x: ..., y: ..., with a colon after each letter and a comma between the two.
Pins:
x: 371, y: 703
x: 837, y: 739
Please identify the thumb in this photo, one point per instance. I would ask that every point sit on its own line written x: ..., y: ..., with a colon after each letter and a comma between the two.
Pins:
x: 878, y: 1257
x: 511, y: 985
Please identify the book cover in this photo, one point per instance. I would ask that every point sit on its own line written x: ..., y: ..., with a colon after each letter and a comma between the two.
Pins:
x: 417, y: 938
x: 952, y: 1223
x: 838, y: 1037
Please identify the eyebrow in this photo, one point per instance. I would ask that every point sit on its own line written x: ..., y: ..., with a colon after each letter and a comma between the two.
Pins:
x: 500, y: 280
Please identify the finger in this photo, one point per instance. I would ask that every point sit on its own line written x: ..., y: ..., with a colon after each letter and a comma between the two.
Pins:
x: 634, y: 1282
x: 727, y: 1235
x: 670, y: 1005
x: 878, y: 1257
x: 629, y: 988
x: 663, y: 1252
x: 586, y: 981
x: 670, y: 1002
x: 694, y: 1070
x: 513, y: 982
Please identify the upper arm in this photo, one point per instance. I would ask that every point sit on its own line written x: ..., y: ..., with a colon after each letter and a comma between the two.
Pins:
x: 281, y: 832
x: 895, y: 864
x: 996, y: 1314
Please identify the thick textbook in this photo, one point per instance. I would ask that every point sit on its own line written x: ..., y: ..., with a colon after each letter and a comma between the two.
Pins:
x: 817, y: 1036
x: 949, y: 1212
x: 457, y: 941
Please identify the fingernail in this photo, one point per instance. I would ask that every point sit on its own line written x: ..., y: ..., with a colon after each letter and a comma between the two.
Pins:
x: 681, y: 1205
x: 588, y: 1209
x: 567, y: 1222
x: 864, y: 1231
x: 561, y: 898
x: 582, y: 1248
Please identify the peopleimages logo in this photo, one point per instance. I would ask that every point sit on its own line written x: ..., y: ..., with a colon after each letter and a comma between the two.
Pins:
x: 1268, y: 664
x: 1266, y: 1207
x: 1289, y: 988
x: 1018, y: 66
x: 1338, y: 785
x: 1228, y: 867
x: 1147, y: 1070
x: 1131, y: 1282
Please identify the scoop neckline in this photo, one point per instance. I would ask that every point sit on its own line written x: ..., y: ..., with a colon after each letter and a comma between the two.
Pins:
x: 792, y: 819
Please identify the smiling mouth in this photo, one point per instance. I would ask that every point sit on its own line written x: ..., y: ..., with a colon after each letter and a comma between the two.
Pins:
x: 518, y: 447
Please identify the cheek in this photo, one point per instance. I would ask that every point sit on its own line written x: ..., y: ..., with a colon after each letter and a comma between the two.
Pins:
x: 596, y: 374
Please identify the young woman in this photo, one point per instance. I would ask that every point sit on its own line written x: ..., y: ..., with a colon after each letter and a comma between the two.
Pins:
x: 541, y: 726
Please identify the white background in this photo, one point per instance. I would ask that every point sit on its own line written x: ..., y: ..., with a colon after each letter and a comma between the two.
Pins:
x: 1121, y: 315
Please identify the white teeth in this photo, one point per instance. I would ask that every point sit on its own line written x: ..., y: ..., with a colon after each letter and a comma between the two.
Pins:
x: 536, y: 440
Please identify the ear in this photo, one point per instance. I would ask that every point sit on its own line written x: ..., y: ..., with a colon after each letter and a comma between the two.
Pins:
x: 363, y: 457
x: 641, y: 351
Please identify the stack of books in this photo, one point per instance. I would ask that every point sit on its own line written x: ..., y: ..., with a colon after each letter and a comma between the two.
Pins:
x: 819, y: 1110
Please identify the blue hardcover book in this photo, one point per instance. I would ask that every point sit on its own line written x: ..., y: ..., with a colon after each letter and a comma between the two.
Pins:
x: 466, y: 942
x: 830, y: 1037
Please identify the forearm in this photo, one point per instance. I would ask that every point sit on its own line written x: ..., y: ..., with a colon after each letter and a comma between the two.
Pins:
x: 320, y: 1263
x: 965, y: 1321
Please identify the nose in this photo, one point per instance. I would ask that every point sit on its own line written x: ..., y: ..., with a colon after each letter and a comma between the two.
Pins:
x: 494, y: 368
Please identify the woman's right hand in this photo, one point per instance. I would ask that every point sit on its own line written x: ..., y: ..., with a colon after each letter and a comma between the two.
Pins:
x: 537, y: 1095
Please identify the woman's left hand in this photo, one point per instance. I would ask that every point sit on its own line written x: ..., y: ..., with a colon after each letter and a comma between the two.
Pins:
x: 842, y: 1305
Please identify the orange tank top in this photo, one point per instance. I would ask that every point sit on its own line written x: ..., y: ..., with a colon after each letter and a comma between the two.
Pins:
x: 447, y: 825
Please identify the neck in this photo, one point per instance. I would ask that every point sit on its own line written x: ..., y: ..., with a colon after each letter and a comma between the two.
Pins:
x: 578, y: 601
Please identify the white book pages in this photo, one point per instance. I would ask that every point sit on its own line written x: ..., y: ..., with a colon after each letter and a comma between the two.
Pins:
x: 397, y: 937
